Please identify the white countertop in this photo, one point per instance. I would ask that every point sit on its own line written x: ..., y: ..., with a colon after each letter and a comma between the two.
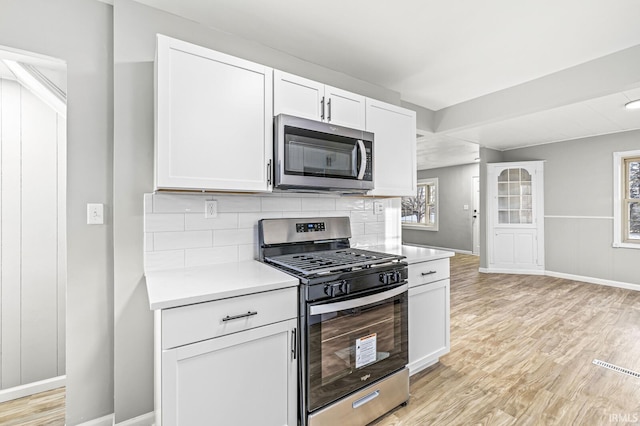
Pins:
x: 413, y: 254
x: 176, y: 287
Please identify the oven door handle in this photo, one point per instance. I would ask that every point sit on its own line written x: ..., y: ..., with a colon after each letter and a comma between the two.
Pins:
x: 357, y: 302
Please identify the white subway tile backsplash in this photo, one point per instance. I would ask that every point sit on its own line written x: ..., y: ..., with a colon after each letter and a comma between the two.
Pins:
x: 238, y: 203
x: 178, y: 203
x: 164, y: 222
x: 182, y: 240
x: 157, y: 260
x: 365, y: 240
x: 148, y: 203
x: 210, y: 256
x: 374, y: 228
x: 228, y: 237
x: 249, y: 220
x: 281, y: 204
x: 197, y: 221
x: 178, y: 235
x: 364, y: 216
x: 247, y: 252
x: 347, y: 203
x: 148, y: 241
x: 318, y: 204
x: 357, y: 229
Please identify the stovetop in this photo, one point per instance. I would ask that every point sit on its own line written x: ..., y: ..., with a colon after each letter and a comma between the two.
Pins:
x: 331, y: 261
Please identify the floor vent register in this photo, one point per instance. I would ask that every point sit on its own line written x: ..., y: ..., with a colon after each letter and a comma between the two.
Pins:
x: 616, y: 368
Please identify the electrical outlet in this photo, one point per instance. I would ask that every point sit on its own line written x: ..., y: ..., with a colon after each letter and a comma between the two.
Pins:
x: 210, y: 209
x: 378, y: 207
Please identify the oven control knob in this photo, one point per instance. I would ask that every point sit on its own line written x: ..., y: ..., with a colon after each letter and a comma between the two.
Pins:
x: 391, y: 277
x: 329, y: 290
x: 336, y: 289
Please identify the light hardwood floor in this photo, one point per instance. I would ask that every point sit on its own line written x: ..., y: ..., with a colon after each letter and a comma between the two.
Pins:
x: 43, y: 409
x: 521, y: 354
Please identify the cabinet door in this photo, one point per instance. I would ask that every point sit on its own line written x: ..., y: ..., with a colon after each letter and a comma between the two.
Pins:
x: 213, y: 119
x: 344, y: 108
x: 394, y: 148
x: 428, y: 324
x: 246, y: 378
x: 297, y: 96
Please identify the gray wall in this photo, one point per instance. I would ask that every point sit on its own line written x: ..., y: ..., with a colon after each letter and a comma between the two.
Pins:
x: 135, y: 27
x: 80, y: 32
x: 578, y: 198
x: 454, y: 223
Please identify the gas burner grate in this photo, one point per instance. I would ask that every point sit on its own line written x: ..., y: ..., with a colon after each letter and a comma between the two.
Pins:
x: 331, y: 260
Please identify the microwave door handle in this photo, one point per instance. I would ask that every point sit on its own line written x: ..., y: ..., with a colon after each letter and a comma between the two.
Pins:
x: 363, y: 160
x: 355, y: 303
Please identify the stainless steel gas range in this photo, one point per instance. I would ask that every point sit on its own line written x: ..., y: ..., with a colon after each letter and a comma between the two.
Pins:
x: 353, y: 346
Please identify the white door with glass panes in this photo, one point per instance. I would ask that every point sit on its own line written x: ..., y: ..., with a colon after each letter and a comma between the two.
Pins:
x: 515, y: 222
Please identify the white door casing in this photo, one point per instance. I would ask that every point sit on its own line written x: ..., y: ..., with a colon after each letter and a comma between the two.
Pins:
x: 475, y: 215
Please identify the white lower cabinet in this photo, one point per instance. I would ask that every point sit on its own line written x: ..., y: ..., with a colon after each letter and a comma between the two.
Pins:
x: 428, y: 314
x: 242, y: 378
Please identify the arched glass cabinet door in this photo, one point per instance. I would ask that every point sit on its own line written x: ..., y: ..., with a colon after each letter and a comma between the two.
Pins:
x: 515, y: 202
x: 515, y: 225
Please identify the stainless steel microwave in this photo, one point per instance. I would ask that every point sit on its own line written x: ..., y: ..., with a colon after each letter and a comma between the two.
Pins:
x: 315, y: 156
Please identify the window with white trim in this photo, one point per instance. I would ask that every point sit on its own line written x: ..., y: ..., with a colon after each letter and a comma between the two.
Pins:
x: 626, y: 218
x: 421, y: 211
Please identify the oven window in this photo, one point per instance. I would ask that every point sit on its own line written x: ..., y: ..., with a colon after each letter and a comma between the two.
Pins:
x: 351, y: 348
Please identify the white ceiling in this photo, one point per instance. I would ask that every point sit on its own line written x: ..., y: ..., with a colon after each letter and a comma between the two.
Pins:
x: 440, y: 54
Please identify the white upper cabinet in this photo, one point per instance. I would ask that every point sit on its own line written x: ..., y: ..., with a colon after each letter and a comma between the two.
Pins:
x: 394, y: 148
x: 213, y: 120
x: 306, y: 98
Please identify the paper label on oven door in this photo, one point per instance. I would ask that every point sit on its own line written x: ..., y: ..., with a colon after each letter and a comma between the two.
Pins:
x: 366, y: 350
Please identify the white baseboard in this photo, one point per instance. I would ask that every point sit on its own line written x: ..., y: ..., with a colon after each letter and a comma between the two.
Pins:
x: 581, y: 278
x: 511, y: 271
x: 100, y: 421
x: 591, y: 280
x: 147, y: 419
x: 32, y: 388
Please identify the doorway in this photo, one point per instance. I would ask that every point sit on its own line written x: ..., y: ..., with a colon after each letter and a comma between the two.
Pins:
x: 33, y: 223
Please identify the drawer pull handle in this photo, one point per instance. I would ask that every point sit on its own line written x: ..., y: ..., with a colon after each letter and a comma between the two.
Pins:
x: 359, y: 403
x: 248, y: 314
x: 428, y: 273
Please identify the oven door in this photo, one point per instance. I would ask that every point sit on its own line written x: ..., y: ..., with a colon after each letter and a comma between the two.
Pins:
x: 354, y: 341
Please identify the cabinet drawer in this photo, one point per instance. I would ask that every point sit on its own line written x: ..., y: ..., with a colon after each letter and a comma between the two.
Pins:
x: 194, y: 323
x: 427, y: 272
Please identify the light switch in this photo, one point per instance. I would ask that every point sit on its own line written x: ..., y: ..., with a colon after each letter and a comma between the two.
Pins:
x: 95, y: 214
